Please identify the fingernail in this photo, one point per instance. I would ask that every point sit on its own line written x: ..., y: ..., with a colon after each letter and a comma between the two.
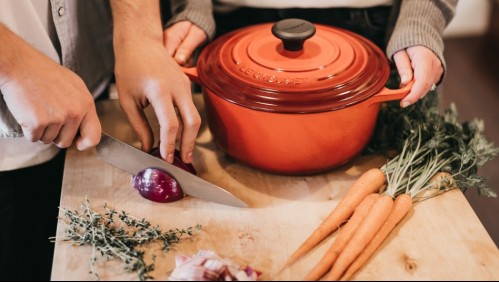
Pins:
x: 405, y: 104
x: 404, y: 79
x: 181, y: 58
x: 82, y: 145
x: 189, y: 158
x: 169, y: 158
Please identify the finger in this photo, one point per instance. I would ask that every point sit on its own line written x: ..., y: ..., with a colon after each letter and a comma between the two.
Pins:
x: 191, y: 122
x: 169, y: 125
x: 51, y: 132
x: 174, y: 35
x: 67, y: 133
x: 194, y: 38
x: 90, y: 131
x: 32, y: 133
x: 439, y: 70
x: 140, y: 124
x: 422, y: 83
x: 403, y: 64
x: 190, y: 63
x: 178, y: 137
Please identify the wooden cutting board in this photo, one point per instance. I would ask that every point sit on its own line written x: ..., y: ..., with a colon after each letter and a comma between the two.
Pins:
x: 441, y: 239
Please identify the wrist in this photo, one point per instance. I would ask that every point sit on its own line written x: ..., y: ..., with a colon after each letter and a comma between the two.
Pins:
x: 124, y: 33
x: 136, y: 21
x: 12, y: 51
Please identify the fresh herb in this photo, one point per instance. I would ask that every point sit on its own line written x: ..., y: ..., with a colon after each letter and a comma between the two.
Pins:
x: 425, y: 143
x: 118, y: 239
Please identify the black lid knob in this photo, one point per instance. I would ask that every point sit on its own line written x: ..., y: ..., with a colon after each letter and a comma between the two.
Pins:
x: 293, y: 33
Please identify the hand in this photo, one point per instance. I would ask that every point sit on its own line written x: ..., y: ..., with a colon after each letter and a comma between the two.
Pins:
x: 51, y: 103
x: 422, y: 65
x: 181, y: 39
x: 146, y: 74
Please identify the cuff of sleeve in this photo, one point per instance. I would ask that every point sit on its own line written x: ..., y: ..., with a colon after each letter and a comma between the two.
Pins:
x: 419, y: 23
x: 198, y: 16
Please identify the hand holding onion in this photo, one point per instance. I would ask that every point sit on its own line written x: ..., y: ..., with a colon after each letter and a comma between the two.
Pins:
x: 157, y: 185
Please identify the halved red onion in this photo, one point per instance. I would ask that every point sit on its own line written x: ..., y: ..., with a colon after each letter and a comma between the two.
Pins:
x: 157, y: 185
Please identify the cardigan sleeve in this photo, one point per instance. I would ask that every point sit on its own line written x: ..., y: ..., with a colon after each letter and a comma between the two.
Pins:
x: 422, y: 22
x: 199, y: 12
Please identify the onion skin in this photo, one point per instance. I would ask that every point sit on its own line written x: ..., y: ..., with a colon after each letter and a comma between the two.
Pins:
x: 157, y: 185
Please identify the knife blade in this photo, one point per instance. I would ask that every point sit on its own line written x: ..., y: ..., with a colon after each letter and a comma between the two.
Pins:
x: 133, y: 160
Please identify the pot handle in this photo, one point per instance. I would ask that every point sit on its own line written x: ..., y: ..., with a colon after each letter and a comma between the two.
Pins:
x: 387, y: 94
x: 192, y: 73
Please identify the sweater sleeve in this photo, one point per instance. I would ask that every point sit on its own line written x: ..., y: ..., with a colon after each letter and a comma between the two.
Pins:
x: 199, y: 12
x: 422, y: 22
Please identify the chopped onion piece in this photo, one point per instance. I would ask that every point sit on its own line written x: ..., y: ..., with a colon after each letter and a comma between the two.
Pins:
x: 207, y: 266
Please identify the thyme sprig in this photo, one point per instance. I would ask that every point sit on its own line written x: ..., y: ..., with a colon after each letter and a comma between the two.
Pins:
x: 118, y: 235
x: 428, y: 143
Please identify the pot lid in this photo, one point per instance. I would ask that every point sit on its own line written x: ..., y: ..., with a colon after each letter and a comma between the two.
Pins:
x: 293, y: 66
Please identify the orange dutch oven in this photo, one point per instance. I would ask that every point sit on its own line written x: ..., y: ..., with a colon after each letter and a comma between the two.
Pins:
x: 293, y: 97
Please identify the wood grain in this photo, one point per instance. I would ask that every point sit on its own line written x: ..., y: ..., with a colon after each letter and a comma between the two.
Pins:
x: 441, y: 239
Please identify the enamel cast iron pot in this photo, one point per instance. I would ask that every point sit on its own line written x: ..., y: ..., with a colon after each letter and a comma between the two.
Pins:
x: 293, y: 98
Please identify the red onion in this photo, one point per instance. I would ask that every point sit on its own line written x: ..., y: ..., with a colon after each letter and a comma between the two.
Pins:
x: 157, y: 185
x: 206, y: 265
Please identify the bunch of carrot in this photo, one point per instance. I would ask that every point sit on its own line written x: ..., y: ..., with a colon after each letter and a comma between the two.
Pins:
x: 367, y: 217
x: 381, y: 197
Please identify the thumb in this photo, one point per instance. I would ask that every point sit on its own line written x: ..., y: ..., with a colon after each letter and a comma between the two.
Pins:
x: 140, y: 124
x: 90, y: 131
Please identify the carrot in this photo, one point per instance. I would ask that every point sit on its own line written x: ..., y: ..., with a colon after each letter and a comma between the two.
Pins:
x: 377, y: 216
x: 342, y: 239
x: 401, y: 206
x: 369, y: 182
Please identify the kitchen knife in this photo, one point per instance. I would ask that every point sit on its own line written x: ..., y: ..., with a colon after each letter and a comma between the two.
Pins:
x: 133, y: 160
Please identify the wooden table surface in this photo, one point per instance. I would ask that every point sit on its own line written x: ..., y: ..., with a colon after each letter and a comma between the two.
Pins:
x: 441, y: 239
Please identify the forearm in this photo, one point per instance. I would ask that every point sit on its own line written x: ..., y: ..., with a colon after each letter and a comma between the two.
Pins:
x: 45, y: 100
x: 11, y: 53
x: 136, y: 20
